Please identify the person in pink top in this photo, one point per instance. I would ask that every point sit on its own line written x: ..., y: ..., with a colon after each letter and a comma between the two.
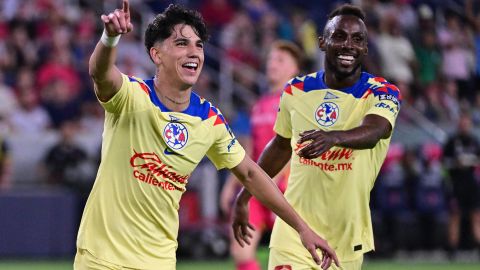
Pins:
x: 283, y: 63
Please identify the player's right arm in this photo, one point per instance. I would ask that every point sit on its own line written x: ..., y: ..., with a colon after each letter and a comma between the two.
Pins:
x: 274, y: 157
x: 106, y: 77
x: 267, y: 192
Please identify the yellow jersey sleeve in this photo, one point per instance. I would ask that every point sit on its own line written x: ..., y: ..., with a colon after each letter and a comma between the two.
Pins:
x: 283, y: 124
x: 386, y: 103
x: 226, y: 151
x: 126, y: 98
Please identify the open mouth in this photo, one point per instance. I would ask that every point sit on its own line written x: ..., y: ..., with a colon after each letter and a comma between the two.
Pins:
x: 346, y: 59
x: 191, y: 66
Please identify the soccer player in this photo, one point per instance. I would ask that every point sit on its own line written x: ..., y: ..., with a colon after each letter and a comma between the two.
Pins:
x: 335, y: 127
x: 156, y: 131
x: 284, y: 61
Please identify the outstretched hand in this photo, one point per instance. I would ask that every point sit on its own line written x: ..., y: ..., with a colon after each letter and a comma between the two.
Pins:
x: 118, y: 21
x: 312, y: 242
x: 240, y: 225
x: 321, y: 141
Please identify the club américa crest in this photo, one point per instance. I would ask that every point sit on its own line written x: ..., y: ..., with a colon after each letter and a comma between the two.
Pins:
x: 175, y: 135
x: 327, y: 114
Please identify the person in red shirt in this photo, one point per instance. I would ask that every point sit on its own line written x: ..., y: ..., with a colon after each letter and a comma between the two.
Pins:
x: 283, y: 63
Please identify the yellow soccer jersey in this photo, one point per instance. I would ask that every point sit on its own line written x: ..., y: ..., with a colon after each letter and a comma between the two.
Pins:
x: 148, y: 154
x: 332, y: 192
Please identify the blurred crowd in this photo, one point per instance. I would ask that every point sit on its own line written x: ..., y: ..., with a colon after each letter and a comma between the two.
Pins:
x: 430, y: 49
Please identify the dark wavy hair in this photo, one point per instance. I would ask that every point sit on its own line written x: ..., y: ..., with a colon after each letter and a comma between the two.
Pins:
x: 162, y: 26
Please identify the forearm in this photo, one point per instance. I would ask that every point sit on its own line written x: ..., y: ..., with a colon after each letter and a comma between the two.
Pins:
x: 258, y: 184
x: 102, y: 62
x: 362, y: 137
x: 365, y: 136
x: 276, y: 154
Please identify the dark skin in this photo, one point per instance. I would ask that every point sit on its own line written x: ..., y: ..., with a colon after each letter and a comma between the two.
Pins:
x: 345, y: 45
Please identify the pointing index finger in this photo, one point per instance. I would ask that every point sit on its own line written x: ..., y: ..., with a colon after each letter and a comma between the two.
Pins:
x: 125, y: 6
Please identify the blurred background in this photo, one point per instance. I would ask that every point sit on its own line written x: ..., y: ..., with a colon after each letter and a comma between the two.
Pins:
x: 425, y: 204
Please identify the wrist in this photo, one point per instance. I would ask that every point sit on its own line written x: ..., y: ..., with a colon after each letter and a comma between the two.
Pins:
x: 337, y: 140
x: 109, y: 41
x: 243, y: 197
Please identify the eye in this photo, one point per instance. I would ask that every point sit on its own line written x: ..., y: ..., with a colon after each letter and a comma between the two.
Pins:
x: 200, y: 45
x: 181, y: 43
x: 338, y: 36
x: 358, y: 39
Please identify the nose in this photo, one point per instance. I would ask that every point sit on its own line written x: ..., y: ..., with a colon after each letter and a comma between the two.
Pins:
x: 348, y: 43
x: 193, y: 49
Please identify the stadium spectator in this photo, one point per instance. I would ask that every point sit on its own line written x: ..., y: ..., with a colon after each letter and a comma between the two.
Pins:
x: 66, y: 162
x: 29, y: 117
x: 396, y: 51
x: 5, y: 164
x: 335, y: 127
x: 283, y: 63
x: 461, y: 158
x: 430, y: 198
x: 156, y: 133
x: 457, y: 46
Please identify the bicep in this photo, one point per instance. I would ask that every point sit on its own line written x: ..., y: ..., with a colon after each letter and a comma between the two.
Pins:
x: 107, y: 87
x: 276, y: 155
x: 379, y: 125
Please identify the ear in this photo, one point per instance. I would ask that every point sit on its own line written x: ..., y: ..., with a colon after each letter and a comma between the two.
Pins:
x: 321, y: 43
x: 155, y: 54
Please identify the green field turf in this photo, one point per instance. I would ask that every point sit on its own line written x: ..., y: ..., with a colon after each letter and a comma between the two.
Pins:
x: 225, y: 265
x: 183, y: 264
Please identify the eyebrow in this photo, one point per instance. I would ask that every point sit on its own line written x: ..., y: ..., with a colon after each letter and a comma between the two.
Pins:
x: 187, y: 40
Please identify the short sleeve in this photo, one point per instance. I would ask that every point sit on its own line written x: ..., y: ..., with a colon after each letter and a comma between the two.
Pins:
x: 283, y: 124
x: 386, y: 104
x: 118, y: 101
x: 226, y: 151
x: 133, y: 95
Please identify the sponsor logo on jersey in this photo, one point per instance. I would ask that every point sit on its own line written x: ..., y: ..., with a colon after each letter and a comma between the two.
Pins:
x: 327, y: 114
x: 169, y: 151
x: 173, y: 118
x: 175, y: 135
x: 388, y: 107
x: 388, y: 97
x: 148, y: 167
x: 329, y: 95
x: 231, y: 144
x: 337, y: 159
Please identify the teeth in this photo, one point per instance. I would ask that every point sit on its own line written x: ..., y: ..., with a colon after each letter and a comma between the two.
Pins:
x: 192, y: 65
x: 346, y: 57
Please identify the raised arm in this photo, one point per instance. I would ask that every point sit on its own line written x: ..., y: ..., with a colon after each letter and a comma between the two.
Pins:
x: 101, y: 67
x: 266, y: 191
x: 365, y: 136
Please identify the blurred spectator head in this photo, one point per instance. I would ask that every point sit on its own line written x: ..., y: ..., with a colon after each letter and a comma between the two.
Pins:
x: 27, y: 99
x: 432, y: 152
x: 465, y: 124
x: 285, y: 60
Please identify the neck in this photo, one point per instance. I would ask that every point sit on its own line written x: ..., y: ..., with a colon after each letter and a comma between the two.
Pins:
x: 337, y: 81
x: 174, y: 99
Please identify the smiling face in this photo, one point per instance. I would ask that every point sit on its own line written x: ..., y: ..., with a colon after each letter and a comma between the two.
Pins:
x: 179, y: 58
x: 345, y: 45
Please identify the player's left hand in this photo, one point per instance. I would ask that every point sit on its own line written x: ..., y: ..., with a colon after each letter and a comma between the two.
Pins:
x: 312, y: 242
x: 240, y: 225
x: 321, y: 141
